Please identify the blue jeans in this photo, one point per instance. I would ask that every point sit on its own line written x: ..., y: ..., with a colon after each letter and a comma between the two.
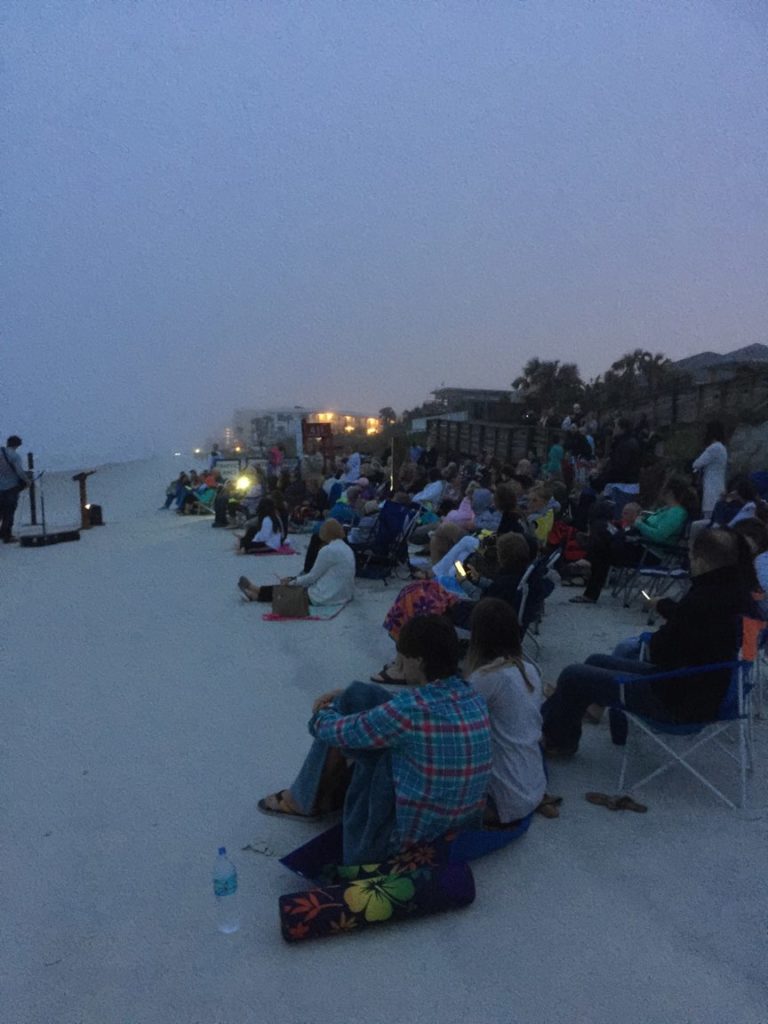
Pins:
x: 629, y: 650
x: 594, y: 682
x: 369, y: 822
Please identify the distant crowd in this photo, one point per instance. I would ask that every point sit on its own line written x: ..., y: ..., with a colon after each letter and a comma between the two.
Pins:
x: 458, y: 719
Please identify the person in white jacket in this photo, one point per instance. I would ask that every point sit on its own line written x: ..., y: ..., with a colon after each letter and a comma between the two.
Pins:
x: 331, y: 580
x: 264, y: 531
x: 712, y: 464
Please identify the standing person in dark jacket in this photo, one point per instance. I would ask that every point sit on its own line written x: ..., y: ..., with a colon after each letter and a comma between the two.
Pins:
x: 13, y: 480
x: 703, y: 628
x: 623, y: 465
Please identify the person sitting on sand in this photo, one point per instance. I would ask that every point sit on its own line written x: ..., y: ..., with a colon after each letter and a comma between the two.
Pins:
x: 330, y: 581
x: 408, y: 767
x: 496, y: 669
x: 264, y: 532
x: 430, y: 597
x: 313, y: 506
x: 176, y: 491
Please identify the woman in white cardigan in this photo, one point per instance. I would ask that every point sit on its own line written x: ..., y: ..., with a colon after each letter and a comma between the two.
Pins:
x: 331, y: 580
x: 712, y: 464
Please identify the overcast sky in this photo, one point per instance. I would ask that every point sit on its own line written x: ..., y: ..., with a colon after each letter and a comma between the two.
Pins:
x: 213, y: 204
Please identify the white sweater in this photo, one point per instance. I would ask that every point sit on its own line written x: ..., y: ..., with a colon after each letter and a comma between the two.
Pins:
x: 518, y: 782
x: 331, y: 580
x: 712, y: 464
x: 269, y: 534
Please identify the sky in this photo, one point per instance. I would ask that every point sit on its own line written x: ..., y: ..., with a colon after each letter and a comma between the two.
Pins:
x: 347, y: 204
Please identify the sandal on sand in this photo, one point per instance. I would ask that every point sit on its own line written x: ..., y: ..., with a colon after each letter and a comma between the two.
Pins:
x: 245, y: 585
x: 581, y: 600
x: 276, y: 805
x: 386, y: 679
x: 615, y: 803
x: 549, y: 806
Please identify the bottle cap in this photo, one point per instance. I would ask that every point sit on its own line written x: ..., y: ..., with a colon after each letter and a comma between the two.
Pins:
x: 222, y: 850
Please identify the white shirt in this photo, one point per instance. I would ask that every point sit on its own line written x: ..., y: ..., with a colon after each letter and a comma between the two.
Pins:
x: 712, y: 463
x: 518, y: 782
x: 269, y: 534
x: 352, y: 471
x: 432, y: 492
x: 747, y: 511
x: 331, y: 580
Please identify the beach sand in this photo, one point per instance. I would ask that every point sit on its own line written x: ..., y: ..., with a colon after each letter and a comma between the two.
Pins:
x: 146, y: 708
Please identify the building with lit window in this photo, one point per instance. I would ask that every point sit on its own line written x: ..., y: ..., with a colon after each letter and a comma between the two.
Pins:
x: 259, y: 427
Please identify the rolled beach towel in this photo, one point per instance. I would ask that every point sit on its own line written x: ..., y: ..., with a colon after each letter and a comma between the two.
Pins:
x: 361, y: 902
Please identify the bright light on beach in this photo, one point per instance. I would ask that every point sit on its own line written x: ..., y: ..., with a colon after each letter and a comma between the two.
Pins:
x: 244, y: 483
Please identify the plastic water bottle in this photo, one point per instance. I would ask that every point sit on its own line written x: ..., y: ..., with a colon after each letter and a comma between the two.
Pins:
x: 225, y: 891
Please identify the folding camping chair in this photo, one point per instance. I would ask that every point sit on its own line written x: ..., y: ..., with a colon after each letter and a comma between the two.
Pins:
x: 661, y: 567
x: 535, y: 589
x: 379, y: 557
x: 733, y: 716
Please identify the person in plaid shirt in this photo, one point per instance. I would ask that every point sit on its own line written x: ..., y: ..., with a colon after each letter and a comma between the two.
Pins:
x: 421, y: 758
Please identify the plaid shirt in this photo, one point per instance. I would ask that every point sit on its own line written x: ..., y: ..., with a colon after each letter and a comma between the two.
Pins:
x: 440, y: 739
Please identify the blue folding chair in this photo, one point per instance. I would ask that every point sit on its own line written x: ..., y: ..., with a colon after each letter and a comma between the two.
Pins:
x: 733, y: 716
x: 379, y: 557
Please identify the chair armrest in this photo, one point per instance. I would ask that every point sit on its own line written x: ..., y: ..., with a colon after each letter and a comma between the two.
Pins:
x: 678, y: 673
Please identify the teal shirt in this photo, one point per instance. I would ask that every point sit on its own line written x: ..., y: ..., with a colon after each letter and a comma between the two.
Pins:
x: 663, y: 526
x: 555, y: 459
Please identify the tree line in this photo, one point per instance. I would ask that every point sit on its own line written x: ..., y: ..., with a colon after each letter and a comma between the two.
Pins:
x: 554, y: 385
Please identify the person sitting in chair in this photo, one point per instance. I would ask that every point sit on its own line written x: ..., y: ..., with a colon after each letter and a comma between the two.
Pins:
x: 408, y: 767
x: 702, y: 628
x: 609, y: 545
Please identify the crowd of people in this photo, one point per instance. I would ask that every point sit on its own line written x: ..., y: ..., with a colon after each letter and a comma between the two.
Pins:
x: 454, y: 730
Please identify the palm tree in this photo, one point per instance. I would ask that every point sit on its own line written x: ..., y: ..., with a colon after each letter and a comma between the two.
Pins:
x: 550, y: 383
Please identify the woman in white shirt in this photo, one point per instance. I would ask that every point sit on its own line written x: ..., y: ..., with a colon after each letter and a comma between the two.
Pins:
x: 264, y: 531
x: 712, y: 464
x: 330, y: 581
x: 512, y: 689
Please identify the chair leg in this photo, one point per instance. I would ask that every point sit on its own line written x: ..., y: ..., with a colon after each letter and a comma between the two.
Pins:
x: 743, y: 764
x: 682, y: 761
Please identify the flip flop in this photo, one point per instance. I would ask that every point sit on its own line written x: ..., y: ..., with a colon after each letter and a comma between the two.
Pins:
x: 581, y: 600
x: 244, y: 585
x: 279, y: 808
x: 386, y: 679
x: 549, y: 806
x: 615, y: 803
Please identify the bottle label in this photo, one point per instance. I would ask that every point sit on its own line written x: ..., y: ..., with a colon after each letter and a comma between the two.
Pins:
x: 225, y: 886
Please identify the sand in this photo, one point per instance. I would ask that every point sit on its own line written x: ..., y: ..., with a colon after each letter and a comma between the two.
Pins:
x: 146, y: 707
